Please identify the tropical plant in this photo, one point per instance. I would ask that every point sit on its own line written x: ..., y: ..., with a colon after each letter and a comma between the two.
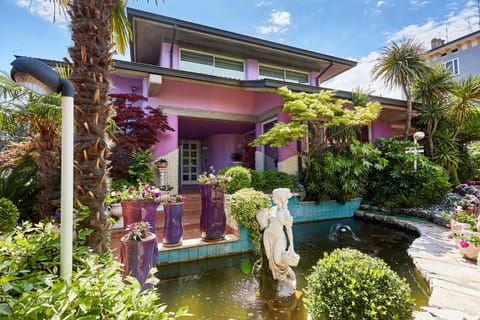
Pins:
x: 273, y: 180
x: 18, y: 182
x: 399, y: 185
x: 343, y: 176
x: 244, y: 204
x: 39, y: 118
x: 400, y: 65
x: 348, y: 284
x: 431, y: 91
x: 8, y: 215
x: 465, y: 95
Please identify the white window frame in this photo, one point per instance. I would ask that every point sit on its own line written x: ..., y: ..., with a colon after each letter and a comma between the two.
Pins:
x: 284, y: 70
x: 212, y: 70
x: 454, y: 62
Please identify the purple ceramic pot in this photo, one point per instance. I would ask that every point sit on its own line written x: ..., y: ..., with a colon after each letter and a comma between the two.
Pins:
x: 172, y: 226
x: 139, y: 257
x: 136, y: 211
x: 212, y: 218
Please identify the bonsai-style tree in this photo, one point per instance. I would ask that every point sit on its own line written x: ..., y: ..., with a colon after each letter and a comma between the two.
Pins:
x: 311, y: 115
x: 136, y: 128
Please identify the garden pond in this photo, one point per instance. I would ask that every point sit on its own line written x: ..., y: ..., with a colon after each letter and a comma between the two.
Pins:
x: 224, y: 288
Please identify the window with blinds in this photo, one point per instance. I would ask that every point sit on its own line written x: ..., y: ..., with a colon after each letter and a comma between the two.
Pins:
x: 210, y: 64
x: 267, y: 72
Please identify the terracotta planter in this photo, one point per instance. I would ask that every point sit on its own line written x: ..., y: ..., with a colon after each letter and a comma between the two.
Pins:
x: 471, y: 252
x: 162, y: 165
x: 136, y: 211
x: 212, y: 218
x: 172, y: 226
x: 139, y: 257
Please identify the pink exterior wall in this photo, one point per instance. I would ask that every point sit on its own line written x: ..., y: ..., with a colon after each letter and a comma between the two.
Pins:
x: 251, y: 69
x: 220, y: 148
x: 380, y: 130
x: 121, y: 84
x: 165, y: 55
x: 313, y: 78
x: 215, y: 99
x: 168, y: 140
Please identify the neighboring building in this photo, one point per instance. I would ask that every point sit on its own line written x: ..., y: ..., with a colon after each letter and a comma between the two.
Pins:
x: 460, y: 56
x: 218, y: 90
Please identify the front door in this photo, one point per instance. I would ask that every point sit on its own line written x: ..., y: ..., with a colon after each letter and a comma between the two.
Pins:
x: 190, y: 160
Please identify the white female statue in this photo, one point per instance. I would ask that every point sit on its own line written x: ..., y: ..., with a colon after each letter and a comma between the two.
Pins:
x: 274, y: 241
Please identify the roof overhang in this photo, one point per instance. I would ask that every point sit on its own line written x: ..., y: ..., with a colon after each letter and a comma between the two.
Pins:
x: 150, y: 31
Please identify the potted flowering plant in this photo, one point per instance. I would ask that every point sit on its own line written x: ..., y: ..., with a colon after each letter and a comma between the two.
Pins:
x: 460, y: 221
x: 139, y: 203
x: 172, y: 225
x: 138, y: 251
x: 161, y: 163
x: 212, y: 217
x: 468, y: 243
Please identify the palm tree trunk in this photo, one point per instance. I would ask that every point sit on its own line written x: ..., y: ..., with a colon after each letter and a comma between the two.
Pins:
x: 460, y: 125
x: 408, y: 122
x: 91, y: 54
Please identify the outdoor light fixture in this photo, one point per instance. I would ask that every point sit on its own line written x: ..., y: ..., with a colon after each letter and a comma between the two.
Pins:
x: 419, y: 135
x: 43, y: 80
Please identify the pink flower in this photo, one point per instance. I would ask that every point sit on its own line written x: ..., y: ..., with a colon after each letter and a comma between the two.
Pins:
x: 449, y: 237
x: 464, y: 243
x: 448, y: 226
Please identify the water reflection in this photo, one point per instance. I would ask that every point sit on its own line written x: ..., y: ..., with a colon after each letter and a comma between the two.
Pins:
x: 222, y: 288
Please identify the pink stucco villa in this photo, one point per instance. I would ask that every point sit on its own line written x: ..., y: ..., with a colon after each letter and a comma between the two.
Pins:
x: 218, y: 90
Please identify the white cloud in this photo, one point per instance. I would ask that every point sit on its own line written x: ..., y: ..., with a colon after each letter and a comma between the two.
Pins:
x: 450, y: 28
x: 280, y: 18
x: 380, y: 3
x: 279, y: 22
x: 45, y: 10
x: 416, y: 4
x: 264, y: 3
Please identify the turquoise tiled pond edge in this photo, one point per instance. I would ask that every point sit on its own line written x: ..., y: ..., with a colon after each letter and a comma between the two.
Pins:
x: 195, y: 249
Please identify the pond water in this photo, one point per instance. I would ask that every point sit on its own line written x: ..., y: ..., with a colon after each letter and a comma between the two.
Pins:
x: 223, y: 288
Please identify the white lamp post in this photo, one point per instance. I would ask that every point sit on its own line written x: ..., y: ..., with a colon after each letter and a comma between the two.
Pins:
x: 419, y: 135
x: 43, y: 80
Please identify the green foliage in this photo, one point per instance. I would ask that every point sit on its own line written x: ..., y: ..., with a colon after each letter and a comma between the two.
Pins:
x: 343, y: 176
x: 303, y: 107
x: 31, y: 289
x: 18, y: 184
x: 348, y: 284
x: 244, y: 204
x: 273, y: 180
x: 258, y: 180
x: 8, y: 215
x: 398, y: 185
x: 239, y: 178
x: 141, y: 167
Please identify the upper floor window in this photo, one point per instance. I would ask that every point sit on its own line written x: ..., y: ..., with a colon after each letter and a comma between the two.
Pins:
x: 265, y: 72
x: 210, y: 64
x: 452, y: 66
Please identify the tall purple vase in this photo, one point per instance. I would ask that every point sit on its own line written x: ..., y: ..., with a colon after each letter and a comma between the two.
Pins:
x: 136, y: 211
x: 213, y: 221
x: 172, y: 226
x: 138, y: 258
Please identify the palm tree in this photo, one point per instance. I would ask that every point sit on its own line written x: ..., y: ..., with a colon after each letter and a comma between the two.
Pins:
x: 465, y: 94
x: 399, y: 66
x: 432, y: 93
x: 97, y: 27
x: 40, y: 118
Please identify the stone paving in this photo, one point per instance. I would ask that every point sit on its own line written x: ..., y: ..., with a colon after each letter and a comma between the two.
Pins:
x: 454, y: 281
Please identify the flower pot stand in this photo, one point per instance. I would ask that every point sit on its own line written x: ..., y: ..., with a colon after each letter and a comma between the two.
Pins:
x: 173, y: 225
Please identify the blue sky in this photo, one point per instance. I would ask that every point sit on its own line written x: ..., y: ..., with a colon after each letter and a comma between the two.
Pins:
x: 353, y: 29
